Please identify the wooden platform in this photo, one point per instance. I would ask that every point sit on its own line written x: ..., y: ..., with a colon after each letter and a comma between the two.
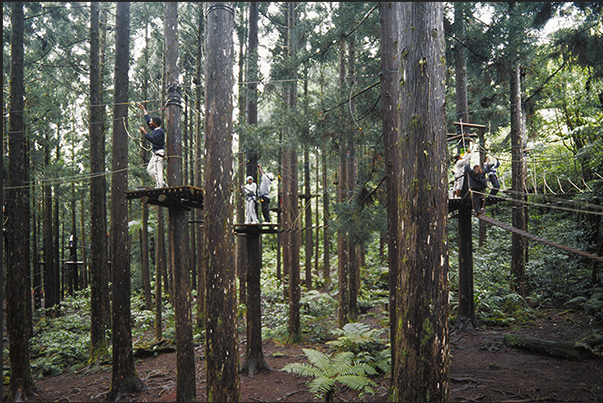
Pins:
x: 183, y: 197
x: 254, y: 229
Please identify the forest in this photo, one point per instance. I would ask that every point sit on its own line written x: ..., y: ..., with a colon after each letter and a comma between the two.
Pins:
x: 362, y: 257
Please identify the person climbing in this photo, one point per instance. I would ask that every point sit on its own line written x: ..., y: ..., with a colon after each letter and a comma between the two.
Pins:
x: 490, y: 171
x: 477, y: 183
x: 157, y: 140
x: 264, y: 193
x: 250, y: 191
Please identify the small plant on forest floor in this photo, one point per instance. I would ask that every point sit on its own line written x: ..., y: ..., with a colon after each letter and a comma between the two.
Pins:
x: 331, y: 371
x: 365, y: 343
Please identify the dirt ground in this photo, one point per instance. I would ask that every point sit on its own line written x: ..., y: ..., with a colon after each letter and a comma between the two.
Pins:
x: 483, y: 368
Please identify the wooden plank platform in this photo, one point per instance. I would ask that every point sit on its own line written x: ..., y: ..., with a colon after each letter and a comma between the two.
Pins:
x: 183, y: 197
x: 257, y: 228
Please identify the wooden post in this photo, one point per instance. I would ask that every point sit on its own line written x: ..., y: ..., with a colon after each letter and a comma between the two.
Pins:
x: 466, y: 313
x: 254, y: 357
x: 177, y: 219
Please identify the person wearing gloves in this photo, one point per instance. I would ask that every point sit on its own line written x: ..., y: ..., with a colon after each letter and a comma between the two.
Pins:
x: 157, y: 140
x: 250, y: 192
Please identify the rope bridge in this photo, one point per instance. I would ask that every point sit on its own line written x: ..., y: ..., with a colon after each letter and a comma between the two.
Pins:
x: 492, y: 221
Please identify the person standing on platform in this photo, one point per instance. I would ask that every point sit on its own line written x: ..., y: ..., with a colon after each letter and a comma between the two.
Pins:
x: 157, y: 140
x: 490, y: 170
x: 264, y: 193
x: 477, y: 184
x: 250, y: 191
x: 458, y: 172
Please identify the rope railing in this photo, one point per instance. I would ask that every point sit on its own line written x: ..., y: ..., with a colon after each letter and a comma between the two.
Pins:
x: 510, y: 228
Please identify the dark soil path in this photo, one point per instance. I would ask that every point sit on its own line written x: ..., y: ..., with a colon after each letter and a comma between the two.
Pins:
x: 483, y: 368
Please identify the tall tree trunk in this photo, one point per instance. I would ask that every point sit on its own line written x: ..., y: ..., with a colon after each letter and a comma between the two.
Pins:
x: 161, y: 272
x: 199, y: 227
x: 73, y: 267
x: 317, y: 216
x: 50, y: 265
x: 518, y: 170
x: 56, y: 290
x: 177, y: 218
x: 421, y: 286
x: 125, y: 378
x: 308, y: 244
x: 247, y: 111
x: 390, y: 99
x: 254, y: 356
x: 352, y: 162
x: 466, y: 310
x: 326, y: 242
x: 343, y: 244
x: 18, y: 289
x: 144, y: 251
x: 84, y: 273
x: 37, y: 270
x: 221, y: 342
x: 291, y: 222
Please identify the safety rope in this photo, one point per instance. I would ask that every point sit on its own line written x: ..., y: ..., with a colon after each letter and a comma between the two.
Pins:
x: 507, y: 227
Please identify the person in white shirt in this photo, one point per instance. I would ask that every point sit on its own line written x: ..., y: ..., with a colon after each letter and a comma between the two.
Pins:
x: 250, y: 191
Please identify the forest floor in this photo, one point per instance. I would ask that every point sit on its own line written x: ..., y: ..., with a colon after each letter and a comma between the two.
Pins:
x: 483, y: 368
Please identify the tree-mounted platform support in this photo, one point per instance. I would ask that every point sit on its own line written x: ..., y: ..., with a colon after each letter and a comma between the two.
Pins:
x: 257, y: 229
x: 179, y: 197
x: 254, y: 360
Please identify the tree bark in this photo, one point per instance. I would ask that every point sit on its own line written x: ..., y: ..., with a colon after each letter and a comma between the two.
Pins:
x: 161, y: 273
x: 390, y: 99
x: 326, y: 241
x: 421, y: 286
x: 50, y: 262
x: 144, y: 251
x: 221, y: 342
x: 466, y: 309
x: 291, y: 225
x: 518, y: 169
x: 18, y: 289
x: 254, y: 356
x: 125, y: 378
x: 186, y: 390
x: 343, y: 239
x: 308, y: 244
x: 199, y: 227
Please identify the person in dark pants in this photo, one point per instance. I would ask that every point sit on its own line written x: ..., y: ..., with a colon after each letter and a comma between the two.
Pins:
x: 477, y: 184
x: 490, y: 171
x: 264, y: 193
x: 157, y: 140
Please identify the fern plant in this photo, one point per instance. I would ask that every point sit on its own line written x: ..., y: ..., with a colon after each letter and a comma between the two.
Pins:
x: 331, y: 371
x: 357, y: 337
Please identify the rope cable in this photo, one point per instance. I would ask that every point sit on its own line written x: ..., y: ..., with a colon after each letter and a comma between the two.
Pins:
x: 510, y: 228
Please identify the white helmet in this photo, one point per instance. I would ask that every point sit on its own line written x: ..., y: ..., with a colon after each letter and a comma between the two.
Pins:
x: 270, y: 176
x: 249, y: 177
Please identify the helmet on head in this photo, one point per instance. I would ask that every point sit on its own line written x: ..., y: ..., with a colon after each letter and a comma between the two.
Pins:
x: 249, y: 177
x: 270, y: 176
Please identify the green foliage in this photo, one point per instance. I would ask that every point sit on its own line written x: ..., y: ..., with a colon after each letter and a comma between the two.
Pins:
x: 357, y: 337
x: 365, y: 343
x: 317, y: 304
x: 64, y: 341
x: 330, y: 371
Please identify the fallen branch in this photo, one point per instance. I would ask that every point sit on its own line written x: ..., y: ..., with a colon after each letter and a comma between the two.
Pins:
x: 546, y: 347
